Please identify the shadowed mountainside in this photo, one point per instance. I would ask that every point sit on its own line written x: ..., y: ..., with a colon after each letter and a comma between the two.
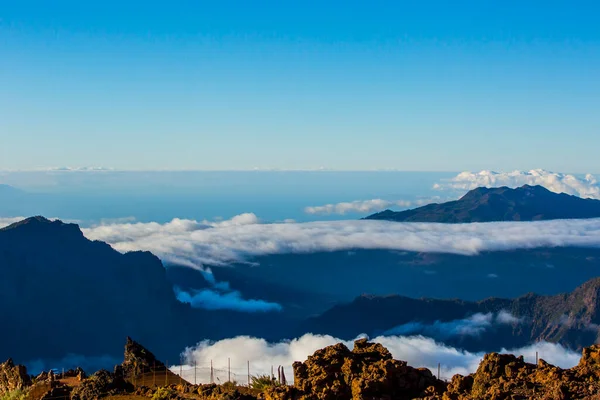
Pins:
x: 68, y: 294
x: 526, y: 203
x: 572, y: 319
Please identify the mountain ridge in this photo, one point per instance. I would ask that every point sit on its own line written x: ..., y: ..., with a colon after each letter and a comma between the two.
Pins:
x: 525, y: 203
x: 572, y: 319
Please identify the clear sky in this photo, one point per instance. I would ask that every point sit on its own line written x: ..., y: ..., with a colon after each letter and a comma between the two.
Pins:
x: 420, y: 85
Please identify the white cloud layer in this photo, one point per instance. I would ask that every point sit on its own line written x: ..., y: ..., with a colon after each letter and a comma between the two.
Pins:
x: 418, y: 351
x: 587, y: 187
x: 366, y: 206
x: 191, y: 243
x: 4, y: 222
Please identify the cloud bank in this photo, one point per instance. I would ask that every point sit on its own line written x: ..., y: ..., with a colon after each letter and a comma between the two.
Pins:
x: 418, y: 351
x: 193, y: 244
x: 366, y: 206
x: 587, y: 187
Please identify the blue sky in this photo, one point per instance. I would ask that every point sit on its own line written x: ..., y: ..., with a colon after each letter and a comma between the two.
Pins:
x: 428, y: 85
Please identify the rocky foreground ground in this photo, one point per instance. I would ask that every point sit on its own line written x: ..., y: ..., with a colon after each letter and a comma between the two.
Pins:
x: 366, y: 372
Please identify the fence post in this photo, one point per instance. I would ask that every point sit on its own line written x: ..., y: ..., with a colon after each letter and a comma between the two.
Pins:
x: 536, y: 358
x: 248, y: 373
x: 166, y: 373
x: 195, y: 369
x: 272, y: 374
x: 439, y: 368
x: 228, y: 369
x: 212, y: 376
x: 180, y: 374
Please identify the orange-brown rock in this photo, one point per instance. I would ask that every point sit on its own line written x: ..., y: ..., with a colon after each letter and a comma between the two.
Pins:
x: 13, y: 377
x: 502, y: 376
x: 368, y: 372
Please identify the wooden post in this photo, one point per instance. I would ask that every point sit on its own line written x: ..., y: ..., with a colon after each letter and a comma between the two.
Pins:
x: 439, y: 368
x: 180, y: 374
x: 248, y: 373
x: 195, y: 369
x: 536, y: 358
x: 212, y: 376
x: 229, y: 370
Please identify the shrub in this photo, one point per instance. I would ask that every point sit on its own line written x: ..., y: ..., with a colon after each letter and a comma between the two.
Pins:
x: 163, y: 393
x: 17, y: 394
x: 261, y: 382
x: 230, y: 385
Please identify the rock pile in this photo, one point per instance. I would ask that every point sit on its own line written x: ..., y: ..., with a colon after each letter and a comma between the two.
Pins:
x: 368, y: 372
x: 504, y: 376
x: 101, y: 384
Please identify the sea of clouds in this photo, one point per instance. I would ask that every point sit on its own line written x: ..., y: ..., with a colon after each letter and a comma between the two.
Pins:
x: 418, y: 351
x: 194, y: 244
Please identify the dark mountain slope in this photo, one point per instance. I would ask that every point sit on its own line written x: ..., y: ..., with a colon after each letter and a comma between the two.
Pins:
x: 526, y: 203
x: 61, y: 293
x: 572, y: 319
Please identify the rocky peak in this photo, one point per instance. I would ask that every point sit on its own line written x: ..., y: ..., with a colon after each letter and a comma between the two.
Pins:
x: 138, y: 359
x: 41, y: 226
x: 13, y: 377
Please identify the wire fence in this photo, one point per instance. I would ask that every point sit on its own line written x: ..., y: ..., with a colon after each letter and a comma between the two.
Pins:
x: 205, y: 373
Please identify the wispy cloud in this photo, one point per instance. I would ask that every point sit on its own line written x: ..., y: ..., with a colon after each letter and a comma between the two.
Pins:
x: 557, y: 182
x: 418, y: 351
x: 224, y: 300
x: 366, y: 206
x: 474, y: 325
x: 194, y: 243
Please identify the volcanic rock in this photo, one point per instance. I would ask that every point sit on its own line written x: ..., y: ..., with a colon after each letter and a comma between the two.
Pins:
x: 138, y: 360
x: 101, y: 384
x: 13, y: 377
x: 502, y: 376
x: 368, y: 372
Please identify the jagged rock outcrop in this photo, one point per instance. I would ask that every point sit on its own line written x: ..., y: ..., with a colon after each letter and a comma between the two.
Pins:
x: 138, y: 360
x: 504, y: 376
x: 367, y: 372
x: 13, y: 377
